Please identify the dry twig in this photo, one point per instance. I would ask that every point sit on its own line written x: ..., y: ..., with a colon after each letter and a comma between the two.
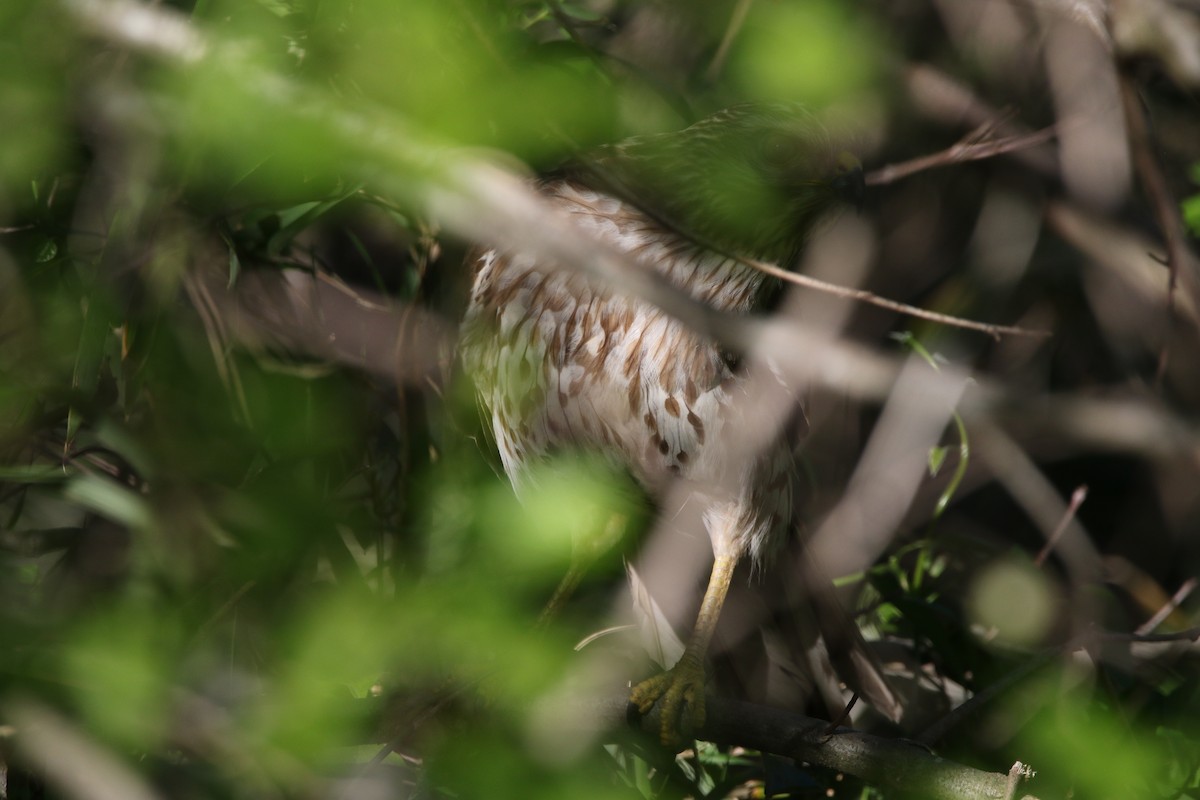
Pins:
x: 1181, y: 262
x: 1077, y: 498
x: 1169, y: 608
x: 950, y: 102
x: 862, y: 295
x: 736, y: 20
x: 969, y: 148
x: 482, y: 201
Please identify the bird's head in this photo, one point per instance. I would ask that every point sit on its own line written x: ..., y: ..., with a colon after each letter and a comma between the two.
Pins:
x: 752, y: 180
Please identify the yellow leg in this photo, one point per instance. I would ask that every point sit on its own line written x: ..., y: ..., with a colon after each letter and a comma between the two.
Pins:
x: 681, y: 688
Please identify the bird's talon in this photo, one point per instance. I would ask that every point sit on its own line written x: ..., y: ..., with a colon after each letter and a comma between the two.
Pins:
x: 681, y: 693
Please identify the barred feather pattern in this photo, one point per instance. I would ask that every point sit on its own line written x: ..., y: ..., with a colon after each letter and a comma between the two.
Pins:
x: 561, y: 362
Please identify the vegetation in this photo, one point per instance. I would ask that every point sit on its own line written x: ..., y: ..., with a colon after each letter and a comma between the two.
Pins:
x: 255, y: 541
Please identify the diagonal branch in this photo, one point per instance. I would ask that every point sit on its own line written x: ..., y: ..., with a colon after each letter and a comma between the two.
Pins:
x: 886, y: 763
x: 862, y: 295
x: 482, y: 202
x: 969, y: 148
x: 1181, y: 262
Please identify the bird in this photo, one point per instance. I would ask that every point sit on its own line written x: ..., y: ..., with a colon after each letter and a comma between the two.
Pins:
x: 561, y: 361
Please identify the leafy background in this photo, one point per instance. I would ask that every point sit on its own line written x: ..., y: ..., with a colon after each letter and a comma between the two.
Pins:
x: 250, y: 533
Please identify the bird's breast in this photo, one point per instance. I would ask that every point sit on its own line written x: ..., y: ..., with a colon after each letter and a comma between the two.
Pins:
x: 561, y: 361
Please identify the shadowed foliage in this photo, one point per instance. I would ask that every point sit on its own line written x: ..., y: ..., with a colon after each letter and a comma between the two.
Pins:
x: 256, y: 539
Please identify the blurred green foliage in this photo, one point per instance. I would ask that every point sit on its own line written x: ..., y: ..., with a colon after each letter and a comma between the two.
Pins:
x: 824, y: 52
x: 32, y: 92
x: 1191, y: 205
x: 1103, y: 754
x: 232, y: 564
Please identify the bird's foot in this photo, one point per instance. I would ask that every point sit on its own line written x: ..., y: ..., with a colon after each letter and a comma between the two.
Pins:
x: 681, y: 690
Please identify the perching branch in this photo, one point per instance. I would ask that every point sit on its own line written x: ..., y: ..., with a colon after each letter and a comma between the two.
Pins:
x: 886, y: 763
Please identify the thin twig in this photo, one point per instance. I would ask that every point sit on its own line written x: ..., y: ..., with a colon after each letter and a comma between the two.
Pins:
x: 981, y: 699
x: 985, y: 697
x: 1121, y: 254
x: 1168, y: 608
x: 1077, y: 498
x: 862, y: 295
x: 966, y: 149
x: 482, y: 202
x: 1180, y: 261
x: 568, y: 25
x: 218, y: 340
x: 1027, y: 484
x: 736, y: 20
x: 946, y: 100
x: 1189, y: 635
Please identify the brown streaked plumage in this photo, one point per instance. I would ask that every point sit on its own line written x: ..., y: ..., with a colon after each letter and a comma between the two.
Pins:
x: 560, y: 361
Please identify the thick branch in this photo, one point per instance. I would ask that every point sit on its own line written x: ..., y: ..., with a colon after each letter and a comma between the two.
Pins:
x: 887, y: 763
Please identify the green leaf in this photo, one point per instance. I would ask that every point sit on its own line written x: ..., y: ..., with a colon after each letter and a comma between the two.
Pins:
x: 298, y: 217
x: 581, y: 13
x: 1191, y: 213
x: 818, y: 50
x: 288, y: 217
x: 235, y: 264
x: 1099, y: 751
x: 960, y: 471
x: 88, y: 359
x: 119, y: 667
x: 937, y: 457
x: 46, y: 251
x: 906, y: 339
x: 33, y: 473
x: 111, y: 500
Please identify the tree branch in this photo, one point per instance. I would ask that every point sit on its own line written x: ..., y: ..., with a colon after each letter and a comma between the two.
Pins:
x: 946, y: 100
x: 863, y: 296
x: 483, y: 202
x: 886, y: 763
x: 1180, y: 261
x: 970, y: 148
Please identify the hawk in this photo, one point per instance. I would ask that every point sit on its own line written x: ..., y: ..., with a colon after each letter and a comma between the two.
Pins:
x: 559, y: 360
